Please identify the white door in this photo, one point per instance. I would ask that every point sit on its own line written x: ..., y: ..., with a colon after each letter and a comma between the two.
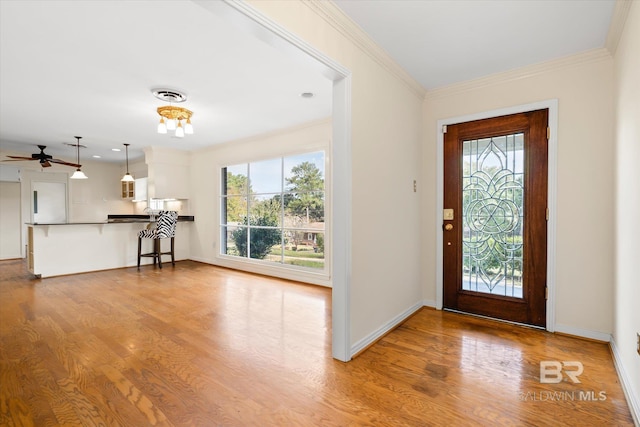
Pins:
x: 10, y: 244
x: 48, y: 202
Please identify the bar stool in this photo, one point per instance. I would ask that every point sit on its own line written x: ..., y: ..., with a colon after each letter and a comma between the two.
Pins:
x: 165, y: 228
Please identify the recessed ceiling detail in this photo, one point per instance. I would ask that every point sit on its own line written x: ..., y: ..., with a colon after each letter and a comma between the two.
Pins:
x: 169, y: 95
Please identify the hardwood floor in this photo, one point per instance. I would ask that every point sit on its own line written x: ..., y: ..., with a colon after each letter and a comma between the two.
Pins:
x: 196, y: 345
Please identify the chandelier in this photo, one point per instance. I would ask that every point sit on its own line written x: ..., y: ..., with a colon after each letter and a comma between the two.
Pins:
x: 173, y: 118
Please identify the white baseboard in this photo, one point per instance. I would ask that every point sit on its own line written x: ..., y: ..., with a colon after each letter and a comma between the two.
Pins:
x: 584, y: 333
x: 380, y: 332
x: 632, y: 398
x: 429, y: 303
x: 319, y: 279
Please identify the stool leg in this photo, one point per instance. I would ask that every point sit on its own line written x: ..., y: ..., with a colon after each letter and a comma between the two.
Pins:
x: 139, y: 251
x: 158, y: 253
x: 173, y: 260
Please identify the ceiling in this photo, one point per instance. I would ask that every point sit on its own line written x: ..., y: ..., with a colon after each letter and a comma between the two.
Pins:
x: 87, y: 68
x: 441, y: 42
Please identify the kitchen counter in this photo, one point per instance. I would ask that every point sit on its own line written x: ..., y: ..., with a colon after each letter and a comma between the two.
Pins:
x: 142, y: 218
x: 76, y: 247
x: 111, y: 219
x: 66, y: 223
x: 115, y: 219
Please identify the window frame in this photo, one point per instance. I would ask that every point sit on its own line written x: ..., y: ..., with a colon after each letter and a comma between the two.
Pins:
x: 313, y: 275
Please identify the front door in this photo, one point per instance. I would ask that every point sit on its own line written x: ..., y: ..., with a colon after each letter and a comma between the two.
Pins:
x: 495, y: 217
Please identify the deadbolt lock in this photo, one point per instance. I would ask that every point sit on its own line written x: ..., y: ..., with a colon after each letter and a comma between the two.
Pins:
x: 448, y: 227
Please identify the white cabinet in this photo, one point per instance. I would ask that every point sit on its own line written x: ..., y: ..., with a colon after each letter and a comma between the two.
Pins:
x: 140, y: 190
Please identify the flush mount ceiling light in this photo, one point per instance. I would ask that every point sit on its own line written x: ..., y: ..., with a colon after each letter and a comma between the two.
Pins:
x: 127, y: 176
x: 78, y: 174
x: 171, y: 117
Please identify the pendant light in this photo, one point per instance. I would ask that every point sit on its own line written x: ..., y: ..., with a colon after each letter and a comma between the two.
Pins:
x: 127, y: 176
x: 78, y: 174
x: 180, y: 130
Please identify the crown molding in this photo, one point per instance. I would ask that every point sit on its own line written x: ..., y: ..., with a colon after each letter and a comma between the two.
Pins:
x: 340, y: 21
x: 619, y: 17
x: 595, y: 55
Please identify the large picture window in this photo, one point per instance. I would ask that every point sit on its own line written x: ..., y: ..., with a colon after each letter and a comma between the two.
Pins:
x: 274, y: 210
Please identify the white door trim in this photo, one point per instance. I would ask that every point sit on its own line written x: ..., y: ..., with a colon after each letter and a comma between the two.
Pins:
x: 552, y: 105
x: 253, y: 21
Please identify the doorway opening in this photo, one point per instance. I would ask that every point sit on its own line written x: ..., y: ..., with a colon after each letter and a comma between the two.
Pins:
x: 245, y: 16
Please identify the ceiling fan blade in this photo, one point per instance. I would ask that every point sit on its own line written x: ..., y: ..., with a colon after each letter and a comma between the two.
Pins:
x: 62, y: 162
x: 21, y: 158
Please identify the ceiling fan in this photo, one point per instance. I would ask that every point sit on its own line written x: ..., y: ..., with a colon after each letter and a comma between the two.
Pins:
x: 45, y: 159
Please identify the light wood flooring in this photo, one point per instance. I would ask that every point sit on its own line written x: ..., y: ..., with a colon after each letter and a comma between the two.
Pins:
x: 197, y: 345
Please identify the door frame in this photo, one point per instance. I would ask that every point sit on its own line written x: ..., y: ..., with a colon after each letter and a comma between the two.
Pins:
x: 27, y: 176
x: 552, y: 106
x: 266, y: 29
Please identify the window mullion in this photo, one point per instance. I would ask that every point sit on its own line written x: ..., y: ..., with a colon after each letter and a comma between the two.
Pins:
x: 248, y: 196
x: 282, y: 245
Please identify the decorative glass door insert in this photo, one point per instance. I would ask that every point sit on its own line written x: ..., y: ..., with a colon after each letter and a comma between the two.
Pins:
x: 492, y: 217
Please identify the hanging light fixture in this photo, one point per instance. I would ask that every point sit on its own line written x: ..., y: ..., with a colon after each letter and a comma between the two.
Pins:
x: 162, y: 126
x: 172, y: 117
x: 127, y: 176
x: 78, y: 174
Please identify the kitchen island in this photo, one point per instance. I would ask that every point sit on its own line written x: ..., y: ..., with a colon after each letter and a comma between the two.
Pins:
x: 78, y: 247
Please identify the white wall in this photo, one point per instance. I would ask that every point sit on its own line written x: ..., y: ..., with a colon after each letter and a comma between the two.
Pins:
x: 94, y: 198
x: 168, y: 173
x: 627, y: 193
x: 583, y: 86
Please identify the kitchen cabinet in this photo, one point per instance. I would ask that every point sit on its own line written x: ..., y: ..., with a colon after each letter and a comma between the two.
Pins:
x: 128, y: 189
x: 30, y: 265
x: 140, y: 190
x: 135, y: 190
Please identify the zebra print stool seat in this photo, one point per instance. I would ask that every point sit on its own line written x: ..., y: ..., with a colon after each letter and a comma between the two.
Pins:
x: 165, y: 229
